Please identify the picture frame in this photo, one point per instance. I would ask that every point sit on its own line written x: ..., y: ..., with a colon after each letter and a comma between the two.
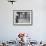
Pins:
x: 22, y: 17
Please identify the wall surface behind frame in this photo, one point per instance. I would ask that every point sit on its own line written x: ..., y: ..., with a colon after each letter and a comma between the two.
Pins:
x: 37, y: 31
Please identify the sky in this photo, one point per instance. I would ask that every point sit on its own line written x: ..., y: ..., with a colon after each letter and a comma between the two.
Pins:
x: 8, y: 31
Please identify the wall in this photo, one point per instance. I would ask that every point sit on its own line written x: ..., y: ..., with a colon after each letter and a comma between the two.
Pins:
x: 37, y: 31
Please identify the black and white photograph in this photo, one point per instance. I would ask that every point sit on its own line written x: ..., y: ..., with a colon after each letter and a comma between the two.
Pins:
x: 22, y: 16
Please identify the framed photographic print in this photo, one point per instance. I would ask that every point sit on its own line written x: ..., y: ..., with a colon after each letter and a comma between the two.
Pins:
x: 22, y: 17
